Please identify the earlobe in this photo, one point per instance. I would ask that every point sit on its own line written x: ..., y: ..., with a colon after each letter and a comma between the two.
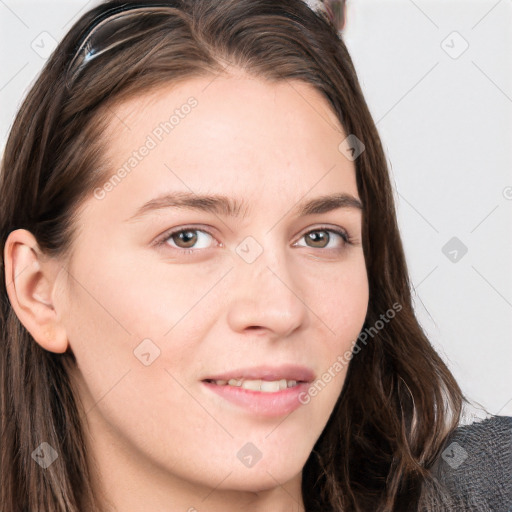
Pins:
x: 30, y: 278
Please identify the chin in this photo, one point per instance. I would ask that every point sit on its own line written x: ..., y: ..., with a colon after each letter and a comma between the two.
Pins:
x: 263, y: 477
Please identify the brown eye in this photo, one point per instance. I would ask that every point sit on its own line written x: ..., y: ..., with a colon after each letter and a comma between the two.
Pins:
x: 188, y: 239
x: 321, y: 238
x: 318, y: 238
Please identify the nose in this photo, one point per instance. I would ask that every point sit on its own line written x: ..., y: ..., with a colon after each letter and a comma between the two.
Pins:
x: 267, y: 297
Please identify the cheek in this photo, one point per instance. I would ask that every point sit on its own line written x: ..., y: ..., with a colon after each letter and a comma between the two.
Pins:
x: 127, y: 369
x: 135, y: 329
x: 127, y: 296
x: 340, y: 307
x: 339, y: 299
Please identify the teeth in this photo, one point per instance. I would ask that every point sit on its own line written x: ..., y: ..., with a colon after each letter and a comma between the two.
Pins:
x: 257, y: 385
x: 266, y: 386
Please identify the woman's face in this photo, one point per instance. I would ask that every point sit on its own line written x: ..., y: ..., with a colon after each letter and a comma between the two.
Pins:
x: 158, y: 297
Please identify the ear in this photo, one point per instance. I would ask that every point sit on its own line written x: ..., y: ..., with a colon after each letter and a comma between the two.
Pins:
x: 31, y: 279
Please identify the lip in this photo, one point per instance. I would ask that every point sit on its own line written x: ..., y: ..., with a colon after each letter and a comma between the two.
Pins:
x: 259, y: 403
x: 287, y: 371
x: 279, y: 403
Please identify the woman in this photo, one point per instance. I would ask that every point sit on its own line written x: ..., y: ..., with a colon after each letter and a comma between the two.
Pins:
x: 207, y: 304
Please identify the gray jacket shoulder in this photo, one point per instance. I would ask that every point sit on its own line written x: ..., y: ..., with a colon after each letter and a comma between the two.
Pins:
x: 475, y: 465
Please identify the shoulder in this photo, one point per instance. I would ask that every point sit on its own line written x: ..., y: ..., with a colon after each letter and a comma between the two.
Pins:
x: 476, y: 464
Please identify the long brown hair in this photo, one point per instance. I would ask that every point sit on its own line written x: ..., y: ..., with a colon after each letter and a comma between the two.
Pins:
x: 399, y: 401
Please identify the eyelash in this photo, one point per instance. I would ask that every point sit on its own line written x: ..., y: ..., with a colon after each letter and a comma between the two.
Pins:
x: 347, y: 240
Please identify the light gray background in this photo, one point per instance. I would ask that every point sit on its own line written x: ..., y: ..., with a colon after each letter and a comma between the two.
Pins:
x: 444, y: 113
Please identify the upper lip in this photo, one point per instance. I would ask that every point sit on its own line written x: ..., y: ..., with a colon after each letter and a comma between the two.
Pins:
x: 287, y: 371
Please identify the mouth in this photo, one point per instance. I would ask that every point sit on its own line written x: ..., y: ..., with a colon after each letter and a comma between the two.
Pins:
x: 267, y: 379
x: 265, y: 386
x: 263, y: 390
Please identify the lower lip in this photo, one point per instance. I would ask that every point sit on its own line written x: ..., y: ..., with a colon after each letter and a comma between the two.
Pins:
x: 278, y: 403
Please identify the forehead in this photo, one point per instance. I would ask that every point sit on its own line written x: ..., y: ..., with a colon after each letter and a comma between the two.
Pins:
x: 230, y: 134
x: 226, y: 110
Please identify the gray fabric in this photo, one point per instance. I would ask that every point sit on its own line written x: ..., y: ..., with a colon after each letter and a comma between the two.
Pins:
x: 475, y: 466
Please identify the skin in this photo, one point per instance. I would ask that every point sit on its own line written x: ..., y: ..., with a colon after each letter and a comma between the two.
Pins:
x: 161, y: 441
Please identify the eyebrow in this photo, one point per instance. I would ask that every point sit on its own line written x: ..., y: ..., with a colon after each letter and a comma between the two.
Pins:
x: 223, y: 205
